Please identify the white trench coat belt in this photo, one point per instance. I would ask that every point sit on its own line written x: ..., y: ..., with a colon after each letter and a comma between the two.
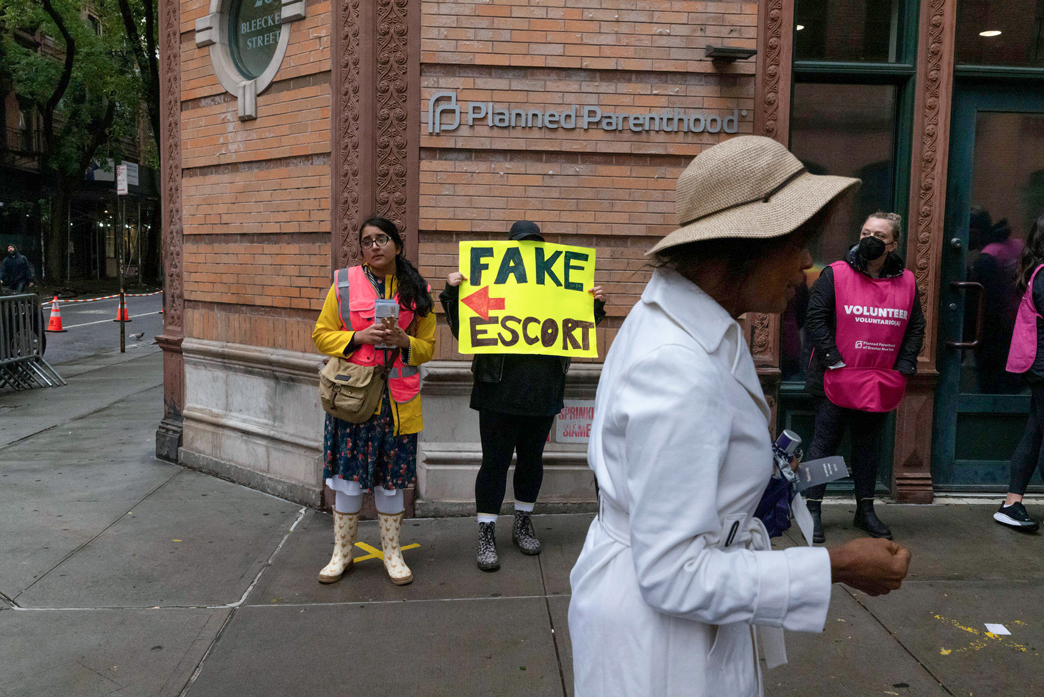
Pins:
x: 676, y: 572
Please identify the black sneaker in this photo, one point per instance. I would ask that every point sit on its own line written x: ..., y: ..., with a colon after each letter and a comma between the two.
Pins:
x: 523, y: 535
x: 1015, y: 516
x: 488, y: 559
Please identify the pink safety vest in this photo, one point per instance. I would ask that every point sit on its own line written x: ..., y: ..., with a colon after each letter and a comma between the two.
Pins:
x: 353, y: 286
x: 1023, y: 351
x: 872, y: 314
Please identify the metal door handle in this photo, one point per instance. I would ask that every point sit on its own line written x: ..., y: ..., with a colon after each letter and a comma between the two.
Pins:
x: 969, y: 285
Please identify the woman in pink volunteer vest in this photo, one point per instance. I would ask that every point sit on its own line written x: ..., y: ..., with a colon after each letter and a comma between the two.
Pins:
x: 379, y: 455
x: 1026, y: 357
x: 866, y: 327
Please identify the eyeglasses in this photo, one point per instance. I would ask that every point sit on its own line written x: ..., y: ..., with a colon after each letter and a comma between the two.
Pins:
x: 379, y: 241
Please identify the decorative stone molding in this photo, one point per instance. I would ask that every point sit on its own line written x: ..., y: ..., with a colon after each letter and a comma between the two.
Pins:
x: 392, y: 108
x: 456, y: 378
x: 252, y: 415
x: 351, y: 137
x: 771, y: 119
x: 932, y: 106
x: 930, y: 157
x: 446, y: 475
x: 169, y: 433
x: 211, y: 32
x: 375, y: 137
x: 912, y: 468
x: 775, y: 58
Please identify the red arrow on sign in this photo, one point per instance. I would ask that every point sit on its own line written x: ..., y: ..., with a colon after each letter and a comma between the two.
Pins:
x: 480, y: 302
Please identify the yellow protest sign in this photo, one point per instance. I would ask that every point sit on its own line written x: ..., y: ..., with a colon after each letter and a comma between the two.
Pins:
x: 527, y: 297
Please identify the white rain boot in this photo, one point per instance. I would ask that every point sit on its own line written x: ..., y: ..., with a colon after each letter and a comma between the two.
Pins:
x: 346, y: 525
x: 398, y: 571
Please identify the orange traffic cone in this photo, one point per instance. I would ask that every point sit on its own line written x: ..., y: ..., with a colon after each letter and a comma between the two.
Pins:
x: 55, y: 323
x: 122, y: 308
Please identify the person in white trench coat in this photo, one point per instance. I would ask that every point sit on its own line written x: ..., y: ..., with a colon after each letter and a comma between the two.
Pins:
x: 676, y: 571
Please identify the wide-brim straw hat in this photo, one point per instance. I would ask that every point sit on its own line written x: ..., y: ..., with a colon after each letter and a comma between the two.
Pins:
x: 749, y: 187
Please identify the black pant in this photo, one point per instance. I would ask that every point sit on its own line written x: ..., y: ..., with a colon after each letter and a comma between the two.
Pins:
x: 867, y: 428
x: 1030, y: 452
x: 503, y: 434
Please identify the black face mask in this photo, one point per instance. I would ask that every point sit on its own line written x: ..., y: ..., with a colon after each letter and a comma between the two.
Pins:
x: 871, y: 248
x: 11, y: 252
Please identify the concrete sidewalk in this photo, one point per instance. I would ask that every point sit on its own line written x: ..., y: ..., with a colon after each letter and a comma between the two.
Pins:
x: 124, y: 575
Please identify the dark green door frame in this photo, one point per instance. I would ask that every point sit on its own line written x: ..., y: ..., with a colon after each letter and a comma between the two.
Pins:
x: 975, y: 413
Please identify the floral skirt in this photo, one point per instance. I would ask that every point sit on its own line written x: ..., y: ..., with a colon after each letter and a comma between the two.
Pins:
x: 370, y: 453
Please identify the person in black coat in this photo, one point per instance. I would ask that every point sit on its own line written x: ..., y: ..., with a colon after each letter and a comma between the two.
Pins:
x: 16, y: 272
x: 866, y: 428
x: 517, y: 398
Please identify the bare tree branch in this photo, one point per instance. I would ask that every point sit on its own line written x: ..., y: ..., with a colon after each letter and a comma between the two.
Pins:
x: 153, y: 59
x: 148, y: 63
x: 47, y: 112
x: 132, y: 31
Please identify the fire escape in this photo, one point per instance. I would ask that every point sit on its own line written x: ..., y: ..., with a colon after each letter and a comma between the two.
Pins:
x: 20, y: 149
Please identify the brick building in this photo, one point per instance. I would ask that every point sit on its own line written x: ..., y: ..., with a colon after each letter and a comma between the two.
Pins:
x: 286, y: 125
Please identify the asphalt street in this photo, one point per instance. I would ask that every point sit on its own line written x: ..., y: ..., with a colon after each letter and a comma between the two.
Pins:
x: 90, y: 328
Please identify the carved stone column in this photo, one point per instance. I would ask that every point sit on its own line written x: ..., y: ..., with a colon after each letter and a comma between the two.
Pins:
x: 935, y: 54
x: 168, y: 435
x: 376, y: 117
x: 775, y: 68
x: 772, y: 119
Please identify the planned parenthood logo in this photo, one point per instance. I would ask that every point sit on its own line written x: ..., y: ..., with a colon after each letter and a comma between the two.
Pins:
x: 445, y: 114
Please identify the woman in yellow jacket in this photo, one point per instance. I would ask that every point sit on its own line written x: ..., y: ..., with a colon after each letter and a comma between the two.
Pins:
x: 379, y: 455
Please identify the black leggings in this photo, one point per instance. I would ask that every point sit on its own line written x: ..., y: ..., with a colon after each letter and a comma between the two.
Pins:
x: 866, y: 429
x: 502, y: 435
x: 1030, y: 452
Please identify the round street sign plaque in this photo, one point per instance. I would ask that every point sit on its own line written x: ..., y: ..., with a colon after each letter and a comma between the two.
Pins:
x: 254, y: 29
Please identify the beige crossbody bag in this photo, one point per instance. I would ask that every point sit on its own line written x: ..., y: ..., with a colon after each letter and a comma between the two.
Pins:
x: 352, y: 392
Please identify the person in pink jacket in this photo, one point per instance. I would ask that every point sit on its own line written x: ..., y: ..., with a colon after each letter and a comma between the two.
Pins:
x: 1026, y: 358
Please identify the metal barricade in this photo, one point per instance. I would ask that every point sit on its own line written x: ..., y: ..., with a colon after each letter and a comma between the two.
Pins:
x: 22, y: 366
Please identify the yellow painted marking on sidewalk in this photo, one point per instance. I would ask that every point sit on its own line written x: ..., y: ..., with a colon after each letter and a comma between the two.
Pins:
x: 175, y: 540
x: 982, y: 643
x: 375, y: 553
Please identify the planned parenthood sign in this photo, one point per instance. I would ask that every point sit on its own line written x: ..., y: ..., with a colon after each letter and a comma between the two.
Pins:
x: 446, y: 114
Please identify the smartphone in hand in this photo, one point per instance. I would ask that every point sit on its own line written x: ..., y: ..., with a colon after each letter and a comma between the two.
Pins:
x: 386, y: 312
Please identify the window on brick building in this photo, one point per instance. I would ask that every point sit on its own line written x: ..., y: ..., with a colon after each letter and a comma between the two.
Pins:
x: 847, y: 130
x: 1000, y: 32
x: 848, y: 30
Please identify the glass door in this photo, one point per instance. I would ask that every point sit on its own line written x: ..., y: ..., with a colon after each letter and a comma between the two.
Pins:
x: 995, y: 190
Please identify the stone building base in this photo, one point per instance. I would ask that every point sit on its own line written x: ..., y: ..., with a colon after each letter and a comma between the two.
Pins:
x: 252, y: 416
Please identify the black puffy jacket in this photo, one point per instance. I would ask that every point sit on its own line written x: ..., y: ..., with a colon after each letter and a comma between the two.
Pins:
x: 821, y: 323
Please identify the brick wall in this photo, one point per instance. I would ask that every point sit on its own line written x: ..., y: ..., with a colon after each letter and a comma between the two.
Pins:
x: 613, y: 190
x: 256, y: 194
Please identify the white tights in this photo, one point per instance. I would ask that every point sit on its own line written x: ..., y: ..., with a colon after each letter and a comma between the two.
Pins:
x: 349, y: 498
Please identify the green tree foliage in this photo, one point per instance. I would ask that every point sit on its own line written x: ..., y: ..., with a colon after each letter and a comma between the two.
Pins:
x: 80, y: 73
x: 140, y: 22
